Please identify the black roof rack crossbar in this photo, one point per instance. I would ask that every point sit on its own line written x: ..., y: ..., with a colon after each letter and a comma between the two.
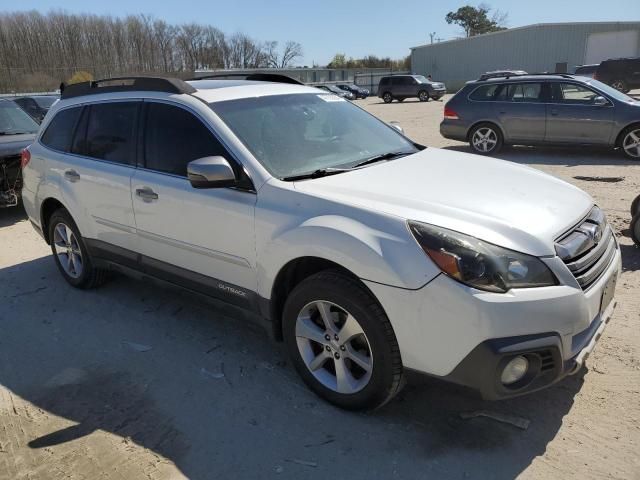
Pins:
x: 257, y: 77
x: 126, y: 84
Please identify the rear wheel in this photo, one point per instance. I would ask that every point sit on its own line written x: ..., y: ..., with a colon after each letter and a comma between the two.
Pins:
x: 635, y: 206
x: 620, y: 85
x: 423, y: 96
x: 70, y: 252
x: 341, y: 342
x: 387, y: 97
x: 485, y: 139
x: 630, y: 143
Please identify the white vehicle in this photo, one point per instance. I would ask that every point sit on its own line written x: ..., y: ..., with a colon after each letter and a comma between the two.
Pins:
x: 367, y: 254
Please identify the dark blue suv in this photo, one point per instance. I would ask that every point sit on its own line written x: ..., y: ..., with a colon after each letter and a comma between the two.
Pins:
x: 541, y: 110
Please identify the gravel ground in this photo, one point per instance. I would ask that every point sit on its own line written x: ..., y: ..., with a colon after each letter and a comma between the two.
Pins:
x: 132, y: 381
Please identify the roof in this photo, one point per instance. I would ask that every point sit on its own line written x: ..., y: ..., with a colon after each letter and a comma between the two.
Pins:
x: 525, y: 27
x: 220, y: 90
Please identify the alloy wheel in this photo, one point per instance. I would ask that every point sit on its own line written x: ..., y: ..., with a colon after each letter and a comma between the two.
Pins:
x: 484, y: 139
x: 424, y: 96
x: 618, y: 85
x: 68, y: 250
x: 334, y: 347
x: 631, y: 143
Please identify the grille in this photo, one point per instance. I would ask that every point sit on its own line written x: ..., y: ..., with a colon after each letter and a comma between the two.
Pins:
x: 546, y: 360
x: 588, y: 249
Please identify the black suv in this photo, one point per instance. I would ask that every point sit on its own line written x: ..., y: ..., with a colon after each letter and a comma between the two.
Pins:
x: 399, y: 87
x: 621, y: 73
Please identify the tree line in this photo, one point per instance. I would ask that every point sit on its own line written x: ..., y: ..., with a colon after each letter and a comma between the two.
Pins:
x: 38, y: 51
x: 340, y: 60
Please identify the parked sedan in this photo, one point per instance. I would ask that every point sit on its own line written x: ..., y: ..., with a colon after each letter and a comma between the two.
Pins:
x: 36, y: 106
x: 17, y: 130
x: 338, y: 91
x: 359, y: 92
x: 542, y: 109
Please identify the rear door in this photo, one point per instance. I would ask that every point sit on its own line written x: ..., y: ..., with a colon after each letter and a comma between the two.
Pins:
x: 202, y: 236
x: 572, y: 116
x: 97, y: 172
x: 521, y: 112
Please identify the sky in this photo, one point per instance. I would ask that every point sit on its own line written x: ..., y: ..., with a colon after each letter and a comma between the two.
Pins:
x: 354, y: 27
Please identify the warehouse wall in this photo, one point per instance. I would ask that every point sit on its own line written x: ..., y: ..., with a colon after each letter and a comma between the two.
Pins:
x: 536, y: 48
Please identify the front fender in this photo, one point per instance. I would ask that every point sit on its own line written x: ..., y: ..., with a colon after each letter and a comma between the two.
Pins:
x: 380, y: 250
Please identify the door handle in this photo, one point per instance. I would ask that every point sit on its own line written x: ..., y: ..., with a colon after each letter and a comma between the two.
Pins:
x: 71, y: 175
x: 146, y: 194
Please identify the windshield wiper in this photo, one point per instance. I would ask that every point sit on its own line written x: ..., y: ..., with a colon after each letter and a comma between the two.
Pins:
x: 321, y: 172
x: 380, y: 158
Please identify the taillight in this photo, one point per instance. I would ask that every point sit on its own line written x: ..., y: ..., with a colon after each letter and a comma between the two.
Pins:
x: 449, y: 114
x: 25, y: 157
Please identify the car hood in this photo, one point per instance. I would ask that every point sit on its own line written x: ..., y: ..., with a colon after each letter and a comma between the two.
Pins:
x: 11, y: 145
x: 500, y: 202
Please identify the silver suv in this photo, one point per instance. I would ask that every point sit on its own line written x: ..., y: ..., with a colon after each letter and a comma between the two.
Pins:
x: 363, y: 251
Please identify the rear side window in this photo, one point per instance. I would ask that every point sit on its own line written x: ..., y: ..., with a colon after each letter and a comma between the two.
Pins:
x: 110, y: 132
x: 60, y: 131
x: 384, y: 81
x: 521, y: 92
x: 173, y: 137
x: 484, y: 93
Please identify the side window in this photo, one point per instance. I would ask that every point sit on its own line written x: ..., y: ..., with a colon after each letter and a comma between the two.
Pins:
x: 576, y: 94
x: 59, y: 132
x: 110, y: 132
x: 396, y: 81
x: 484, y: 93
x: 524, y: 92
x: 384, y: 81
x: 173, y: 137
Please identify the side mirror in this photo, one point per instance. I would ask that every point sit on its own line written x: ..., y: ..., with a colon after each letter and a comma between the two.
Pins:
x: 211, y: 172
x: 600, y: 101
x: 397, y: 126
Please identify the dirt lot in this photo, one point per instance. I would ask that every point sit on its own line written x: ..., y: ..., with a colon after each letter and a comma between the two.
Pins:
x: 131, y: 381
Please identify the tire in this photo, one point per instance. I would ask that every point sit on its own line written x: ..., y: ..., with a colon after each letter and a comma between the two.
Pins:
x: 423, y: 96
x: 620, y: 85
x: 630, y: 142
x: 635, y: 206
x: 372, y: 342
x: 65, y: 238
x: 387, y: 97
x: 635, y: 229
x: 491, y: 141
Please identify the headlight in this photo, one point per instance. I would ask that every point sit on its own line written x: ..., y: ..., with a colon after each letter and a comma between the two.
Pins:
x: 480, y: 264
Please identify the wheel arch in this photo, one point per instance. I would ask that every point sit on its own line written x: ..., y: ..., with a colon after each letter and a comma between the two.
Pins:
x: 47, y: 208
x: 292, y: 274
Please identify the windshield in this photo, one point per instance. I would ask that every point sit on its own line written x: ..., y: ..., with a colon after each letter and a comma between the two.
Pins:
x: 612, y: 92
x: 45, y: 101
x: 13, y: 120
x: 300, y: 133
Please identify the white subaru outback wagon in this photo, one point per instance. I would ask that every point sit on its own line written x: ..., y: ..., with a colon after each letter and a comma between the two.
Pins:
x: 368, y: 254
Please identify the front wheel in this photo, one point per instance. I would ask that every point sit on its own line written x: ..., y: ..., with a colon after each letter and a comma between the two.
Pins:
x: 341, y: 342
x: 423, y: 96
x: 387, y: 97
x: 635, y: 206
x: 631, y: 143
x: 620, y: 85
x: 485, y: 139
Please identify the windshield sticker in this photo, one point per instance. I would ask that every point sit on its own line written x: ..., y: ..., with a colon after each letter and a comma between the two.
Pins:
x: 331, y: 98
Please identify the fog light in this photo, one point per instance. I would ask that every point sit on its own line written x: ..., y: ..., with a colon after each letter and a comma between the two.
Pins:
x: 514, y: 370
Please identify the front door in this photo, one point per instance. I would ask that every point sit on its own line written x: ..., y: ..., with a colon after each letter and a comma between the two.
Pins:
x: 573, y: 116
x: 201, y: 238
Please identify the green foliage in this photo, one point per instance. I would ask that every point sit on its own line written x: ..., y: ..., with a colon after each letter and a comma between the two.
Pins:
x: 370, y: 61
x: 476, y: 21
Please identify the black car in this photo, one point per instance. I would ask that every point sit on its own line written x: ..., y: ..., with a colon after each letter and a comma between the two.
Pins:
x: 36, y: 106
x: 17, y: 130
x: 586, y: 70
x: 337, y: 91
x: 400, y: 87
x: 359, y: 92
x: 623, y: 74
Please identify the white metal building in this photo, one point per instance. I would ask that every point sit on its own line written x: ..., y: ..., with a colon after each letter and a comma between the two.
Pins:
x: 545, y: 47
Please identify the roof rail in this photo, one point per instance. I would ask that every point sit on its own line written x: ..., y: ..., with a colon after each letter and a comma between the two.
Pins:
x: 563, y: 75
x: 258, y: 77
x: 125, y: 84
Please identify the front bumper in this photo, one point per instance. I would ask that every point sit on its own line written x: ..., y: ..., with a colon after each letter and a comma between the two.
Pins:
x: 460, y: 334
x: 437, y: 94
